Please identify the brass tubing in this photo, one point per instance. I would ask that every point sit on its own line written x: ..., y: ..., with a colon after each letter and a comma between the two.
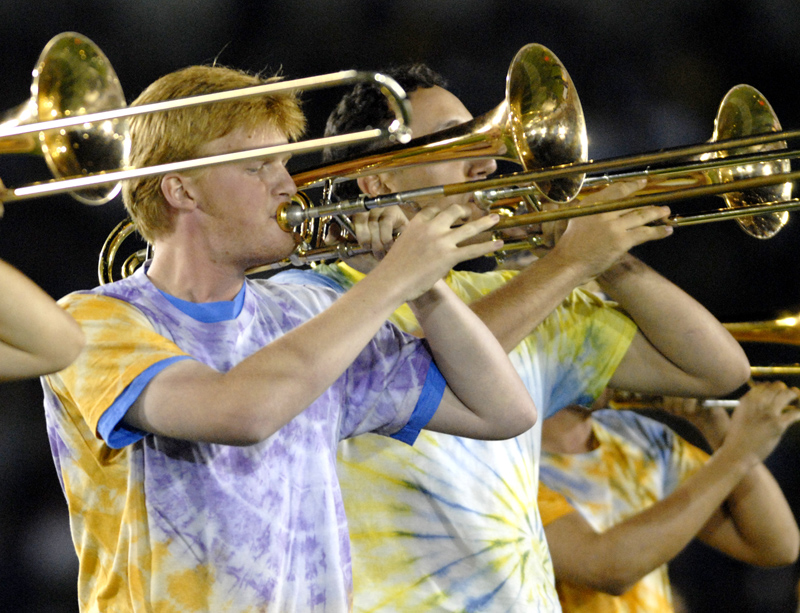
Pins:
x: 665, y: 198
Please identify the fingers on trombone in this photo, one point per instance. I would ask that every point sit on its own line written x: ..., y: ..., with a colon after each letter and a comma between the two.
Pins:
x: 778, y: 396
x: 446, y: 214
x: 646, y: 223
x: 646, y: 214
x: 792, y: 408
x: 476, y: 227
x: 616, y: 191
x: 464, y: 236
x: 377, y: 229
x: 361, y: 226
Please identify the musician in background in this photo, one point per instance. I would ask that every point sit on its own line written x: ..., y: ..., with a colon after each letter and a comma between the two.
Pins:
x: 195, y: 438
x: 454, y: 525
x: 37, y: 337
x: 641, y: 493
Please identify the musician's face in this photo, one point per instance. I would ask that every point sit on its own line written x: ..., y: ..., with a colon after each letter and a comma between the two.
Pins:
x: 238, y: 202
x: 436, y: 109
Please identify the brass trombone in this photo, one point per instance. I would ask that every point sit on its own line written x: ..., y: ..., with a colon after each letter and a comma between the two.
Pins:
x: 514, y: 131
x: 753, y: 184
x: 539, y: 124
x: 781, y: 331
x: 75, y: 70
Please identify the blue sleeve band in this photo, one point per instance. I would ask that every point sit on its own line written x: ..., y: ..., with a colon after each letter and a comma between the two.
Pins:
x: 115, y: 433
x: 429, y: 399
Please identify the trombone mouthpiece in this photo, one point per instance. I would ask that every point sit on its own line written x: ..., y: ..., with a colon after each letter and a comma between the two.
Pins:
x: 290, y: 215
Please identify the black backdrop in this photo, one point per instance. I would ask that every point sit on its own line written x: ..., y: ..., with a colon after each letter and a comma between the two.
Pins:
x: 650, y: 75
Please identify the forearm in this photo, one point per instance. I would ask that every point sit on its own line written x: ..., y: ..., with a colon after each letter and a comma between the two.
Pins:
x: 616, y: 559
x: 477, y: 370
x: 36, y: 335
x: 679, y: 328
x: 512, y: 311
x: 262, y: 393
x: 757, y: 525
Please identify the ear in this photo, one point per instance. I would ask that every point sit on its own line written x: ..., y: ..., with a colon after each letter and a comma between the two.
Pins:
x: 373, y: 185
x: 177, y: 190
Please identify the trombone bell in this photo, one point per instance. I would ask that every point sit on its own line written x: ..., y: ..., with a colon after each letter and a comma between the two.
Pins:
x: 73, y: 77
x: 742, y: 112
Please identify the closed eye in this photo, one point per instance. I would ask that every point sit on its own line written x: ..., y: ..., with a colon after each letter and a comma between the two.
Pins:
x: 259, y: 165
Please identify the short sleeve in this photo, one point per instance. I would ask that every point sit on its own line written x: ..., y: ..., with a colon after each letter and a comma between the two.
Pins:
x: 572, y: 355
x: 428, y: 403
x: 386, y: 384
x: 121, y: 344
x: 684, y: 461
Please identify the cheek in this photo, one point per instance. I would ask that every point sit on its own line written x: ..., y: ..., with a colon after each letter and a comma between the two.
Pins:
x: 450, y: 172
x: 429, y: 175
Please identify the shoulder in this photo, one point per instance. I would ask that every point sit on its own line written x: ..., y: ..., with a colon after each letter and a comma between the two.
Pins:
x: 645, y: 432
x: 90, y: 305
x: 292, y: 296
x: 470, y: 285
x: 306, y: 277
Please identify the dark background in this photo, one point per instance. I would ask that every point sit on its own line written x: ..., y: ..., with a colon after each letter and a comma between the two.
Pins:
x: 650, y: 75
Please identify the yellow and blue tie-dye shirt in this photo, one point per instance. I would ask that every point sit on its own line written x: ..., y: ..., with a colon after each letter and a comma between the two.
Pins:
x: 637, y: 462
x: 174, y: 526
x: 453, y: 524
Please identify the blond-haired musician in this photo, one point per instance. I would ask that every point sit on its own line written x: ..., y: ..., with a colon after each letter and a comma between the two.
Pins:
x: 195, y: 438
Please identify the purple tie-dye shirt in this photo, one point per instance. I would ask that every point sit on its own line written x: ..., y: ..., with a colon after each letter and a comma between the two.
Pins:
x: 172, y: 525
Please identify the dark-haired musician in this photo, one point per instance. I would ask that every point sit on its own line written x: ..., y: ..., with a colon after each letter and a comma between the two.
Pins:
x: 453, y: 524
x: 195, y: 437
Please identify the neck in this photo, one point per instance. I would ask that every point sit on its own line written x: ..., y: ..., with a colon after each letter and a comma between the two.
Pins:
x: 569, y: 431
x: 193, y: 277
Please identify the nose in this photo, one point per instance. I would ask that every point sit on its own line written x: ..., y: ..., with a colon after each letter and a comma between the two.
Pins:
x: 480, y: 169
x: 285, y: 185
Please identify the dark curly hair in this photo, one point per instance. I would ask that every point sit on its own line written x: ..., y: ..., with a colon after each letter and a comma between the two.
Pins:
x: 365, y: 107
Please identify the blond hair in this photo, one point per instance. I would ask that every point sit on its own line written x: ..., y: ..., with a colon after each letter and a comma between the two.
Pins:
x: 177, y: 135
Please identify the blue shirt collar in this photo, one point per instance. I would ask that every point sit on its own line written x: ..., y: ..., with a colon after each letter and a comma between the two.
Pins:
x: 210, y: 312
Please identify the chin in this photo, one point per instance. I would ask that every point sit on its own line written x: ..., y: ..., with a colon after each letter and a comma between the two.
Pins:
x: 282, y: 248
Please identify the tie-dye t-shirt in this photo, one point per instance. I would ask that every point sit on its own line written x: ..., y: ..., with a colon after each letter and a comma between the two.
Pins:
x: 452, y: 524
x: 637, y: 462
x: 168, y: 525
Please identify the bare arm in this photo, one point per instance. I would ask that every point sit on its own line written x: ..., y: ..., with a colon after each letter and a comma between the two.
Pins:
x: 614, y: 560
x: 756, y: 524
x: 575, y: 252
x: 464, y: 350
x: 681, y: 349
x: 485, y: 397
x: 262, y: 393
x: 37, y: 336
x: 587, y: 248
